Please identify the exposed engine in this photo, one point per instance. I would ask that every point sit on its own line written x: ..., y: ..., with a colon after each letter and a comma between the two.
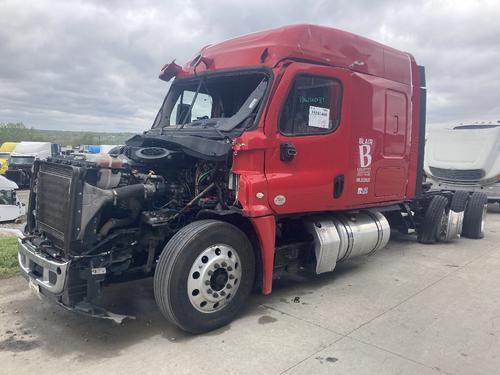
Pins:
x: 117, y: 212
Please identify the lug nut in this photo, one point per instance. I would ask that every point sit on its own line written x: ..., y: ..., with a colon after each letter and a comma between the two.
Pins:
x: 229, y: 268
x: 209, y: 273
x: 215, y: 295
x: 231, y: 276
x: 224, y: 264
x: 216, y: 265
x: 207, y: 282
x: 228, y: 286
x: 222, y: 293
x: 209, y: 291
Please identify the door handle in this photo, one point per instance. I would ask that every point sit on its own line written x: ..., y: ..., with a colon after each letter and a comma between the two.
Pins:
x: 338, y: 185
x: 287, y: 151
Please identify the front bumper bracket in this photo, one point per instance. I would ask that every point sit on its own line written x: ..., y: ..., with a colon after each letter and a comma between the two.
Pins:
x: 48, y: 273
x: 49, y: 277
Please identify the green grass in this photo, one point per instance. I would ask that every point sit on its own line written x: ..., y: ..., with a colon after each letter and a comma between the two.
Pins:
x: 8, y: 256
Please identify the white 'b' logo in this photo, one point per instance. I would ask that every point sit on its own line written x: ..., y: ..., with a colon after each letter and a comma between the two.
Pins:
x: 365, y: 157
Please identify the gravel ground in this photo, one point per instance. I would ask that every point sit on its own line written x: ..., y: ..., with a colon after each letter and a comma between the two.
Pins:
x: 409, y: 309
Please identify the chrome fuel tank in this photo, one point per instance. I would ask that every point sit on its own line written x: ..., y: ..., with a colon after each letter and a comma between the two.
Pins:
x: 341, y: 236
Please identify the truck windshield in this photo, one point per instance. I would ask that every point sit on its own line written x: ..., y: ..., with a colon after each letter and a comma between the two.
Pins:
x: 223, y: 102
x: 22, y: 159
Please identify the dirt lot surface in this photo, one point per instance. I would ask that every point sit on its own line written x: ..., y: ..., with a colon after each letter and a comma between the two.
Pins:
x: 409, y: 309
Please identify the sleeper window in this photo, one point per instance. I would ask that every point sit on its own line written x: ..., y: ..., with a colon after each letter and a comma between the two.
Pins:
x: 312, y: 106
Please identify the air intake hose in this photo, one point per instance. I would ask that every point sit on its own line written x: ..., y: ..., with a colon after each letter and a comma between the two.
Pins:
x: 136, y: 191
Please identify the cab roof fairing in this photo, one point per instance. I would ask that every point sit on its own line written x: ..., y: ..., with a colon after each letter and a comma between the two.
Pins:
x: 313, y: 43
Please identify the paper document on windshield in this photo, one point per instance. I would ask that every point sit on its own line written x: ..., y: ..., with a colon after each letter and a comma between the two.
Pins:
x: 319, y: 117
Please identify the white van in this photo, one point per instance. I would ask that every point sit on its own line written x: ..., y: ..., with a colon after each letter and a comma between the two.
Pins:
x: 10, y: 207
x: 465, y: 157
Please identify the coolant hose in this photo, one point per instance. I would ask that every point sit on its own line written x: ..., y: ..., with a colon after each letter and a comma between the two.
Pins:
x: 114, y: 223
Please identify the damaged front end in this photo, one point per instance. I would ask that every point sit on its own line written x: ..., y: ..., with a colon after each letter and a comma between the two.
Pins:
x: 90, y: 225
x: 94, y: 220
x: 81, y: 232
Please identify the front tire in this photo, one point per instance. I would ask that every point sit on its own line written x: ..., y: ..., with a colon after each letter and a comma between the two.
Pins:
x: 204, y: 275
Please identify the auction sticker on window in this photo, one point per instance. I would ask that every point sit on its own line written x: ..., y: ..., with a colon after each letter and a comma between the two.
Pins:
x: 319, y: 117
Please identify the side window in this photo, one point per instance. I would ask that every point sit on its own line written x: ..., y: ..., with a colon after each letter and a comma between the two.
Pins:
x: 202, y: 107
x: 312, y: 106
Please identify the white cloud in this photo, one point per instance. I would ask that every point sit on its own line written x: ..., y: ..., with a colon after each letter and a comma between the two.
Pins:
x: 93, y: 65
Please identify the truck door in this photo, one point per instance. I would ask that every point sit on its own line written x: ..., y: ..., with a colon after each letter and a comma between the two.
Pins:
x: 307, y: 160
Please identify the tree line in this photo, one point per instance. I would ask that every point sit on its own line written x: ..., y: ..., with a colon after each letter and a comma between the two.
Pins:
x: 17, y: 132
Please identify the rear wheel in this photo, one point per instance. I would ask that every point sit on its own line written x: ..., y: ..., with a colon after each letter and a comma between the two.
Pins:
x: 475, y: 216
x: 204, y: 275
x: 430, y: 230
x: 459, y: 201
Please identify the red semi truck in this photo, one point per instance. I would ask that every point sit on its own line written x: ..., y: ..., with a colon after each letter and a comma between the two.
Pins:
x: 298, y: 147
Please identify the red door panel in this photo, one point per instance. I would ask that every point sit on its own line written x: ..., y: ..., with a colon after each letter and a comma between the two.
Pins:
x: 306, y: 182
x: 381, y: 136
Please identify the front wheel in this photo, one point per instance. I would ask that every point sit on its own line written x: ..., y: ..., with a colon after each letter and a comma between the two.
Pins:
x: 204, y: 275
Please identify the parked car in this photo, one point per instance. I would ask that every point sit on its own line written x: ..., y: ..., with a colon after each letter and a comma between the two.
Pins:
x: 10, y: 207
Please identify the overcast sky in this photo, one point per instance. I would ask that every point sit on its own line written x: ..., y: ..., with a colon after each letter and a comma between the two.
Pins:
x: 93, y: 65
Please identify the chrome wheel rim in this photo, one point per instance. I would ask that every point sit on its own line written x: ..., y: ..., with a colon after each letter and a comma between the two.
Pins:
x: 214, y: 278
x: 483, y: 217
x: 443, y: 227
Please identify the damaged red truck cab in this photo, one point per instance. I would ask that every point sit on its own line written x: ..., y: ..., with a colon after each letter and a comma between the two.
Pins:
x: 284, y: 150
x: 363, y: 151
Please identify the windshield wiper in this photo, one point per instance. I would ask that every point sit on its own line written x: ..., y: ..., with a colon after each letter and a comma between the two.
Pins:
x: 188, y: 112
x: 246, y: 109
